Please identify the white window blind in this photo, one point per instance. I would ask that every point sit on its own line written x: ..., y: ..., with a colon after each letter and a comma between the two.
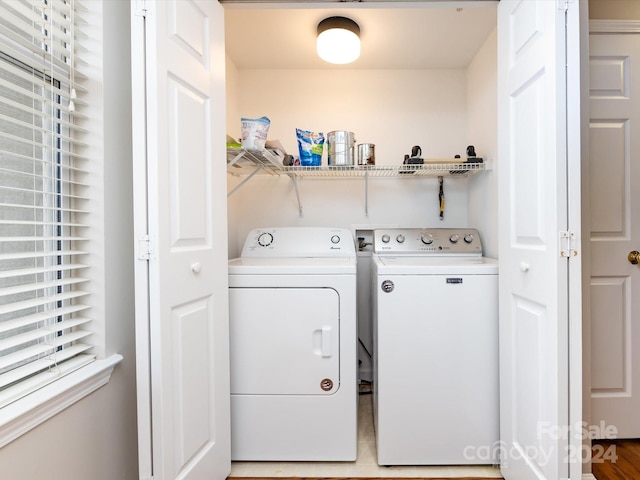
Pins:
x: 44, y: 322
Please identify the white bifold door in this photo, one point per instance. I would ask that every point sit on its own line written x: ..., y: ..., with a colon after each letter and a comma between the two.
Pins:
x: 540, y: 274
x: 180, y: 224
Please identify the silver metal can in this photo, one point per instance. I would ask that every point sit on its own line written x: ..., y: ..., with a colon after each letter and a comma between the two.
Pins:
x: 366, y: 154
x: 341, y: 148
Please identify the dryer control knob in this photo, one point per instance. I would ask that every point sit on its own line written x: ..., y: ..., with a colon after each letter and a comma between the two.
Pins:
x: 335, y: 239
x: 468, y: 238
x: 385, y: 238
x: 454, y: 238
x: 400, y: 239
x: 265, y: 239
x: 427, y: 239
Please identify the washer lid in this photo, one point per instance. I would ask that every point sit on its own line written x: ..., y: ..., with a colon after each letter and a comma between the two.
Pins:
x: 424, y: 265
x: 293, y: 266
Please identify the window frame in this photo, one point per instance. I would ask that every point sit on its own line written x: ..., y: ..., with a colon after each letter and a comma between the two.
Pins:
x: 31, y: 410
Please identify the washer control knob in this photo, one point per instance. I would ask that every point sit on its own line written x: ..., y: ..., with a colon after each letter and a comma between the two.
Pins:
x: 386, y: 238
x: 335, y: 239
x: 265, y: 239
x: 454, y: 238
x: 427, y: 239
x: 468, y: 238
x: 400, y: 238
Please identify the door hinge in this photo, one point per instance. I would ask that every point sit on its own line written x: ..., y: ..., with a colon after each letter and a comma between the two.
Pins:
x: 568, y: 244
x: 140, y: 8
x: 144, y: 248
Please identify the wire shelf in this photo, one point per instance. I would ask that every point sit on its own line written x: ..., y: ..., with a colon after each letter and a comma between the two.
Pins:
x: 373, y: 171
x: 245, y: 162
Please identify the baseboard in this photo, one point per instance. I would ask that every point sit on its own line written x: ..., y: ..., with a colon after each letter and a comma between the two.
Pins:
x: 588, y: 476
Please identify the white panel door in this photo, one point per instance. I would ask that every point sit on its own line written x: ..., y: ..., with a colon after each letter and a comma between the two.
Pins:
x: 538, y: 142
x: 615, y: 231
x: 182, y: 344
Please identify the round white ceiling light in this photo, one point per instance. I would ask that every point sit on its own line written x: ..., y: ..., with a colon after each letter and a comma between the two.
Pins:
x: 338, y: 40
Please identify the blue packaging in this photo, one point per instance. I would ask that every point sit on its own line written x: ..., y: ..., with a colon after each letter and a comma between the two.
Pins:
x: 310, y: 146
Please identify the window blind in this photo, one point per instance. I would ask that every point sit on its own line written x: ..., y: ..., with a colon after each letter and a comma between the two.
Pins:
x: 44, y: 272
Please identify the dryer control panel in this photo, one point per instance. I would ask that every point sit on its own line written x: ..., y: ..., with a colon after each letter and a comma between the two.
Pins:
x: 297, y: 242
x: 427, y: 241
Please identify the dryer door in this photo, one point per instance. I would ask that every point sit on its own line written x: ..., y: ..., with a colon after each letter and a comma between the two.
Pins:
x: 284, y: 341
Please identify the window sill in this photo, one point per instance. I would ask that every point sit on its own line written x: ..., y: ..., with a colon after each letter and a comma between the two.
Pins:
x: 29, y: 412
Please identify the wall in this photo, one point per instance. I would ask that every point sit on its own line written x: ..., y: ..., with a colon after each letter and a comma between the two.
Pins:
x: 233, y: 116
x: 96, y: 438
x: 392, y: 109
x: 614, y: 9
x: 231, y: 87
x: 482, y: 108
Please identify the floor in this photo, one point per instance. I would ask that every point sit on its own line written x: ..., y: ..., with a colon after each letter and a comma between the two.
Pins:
x: 366, y: 465
x: 616, y: 459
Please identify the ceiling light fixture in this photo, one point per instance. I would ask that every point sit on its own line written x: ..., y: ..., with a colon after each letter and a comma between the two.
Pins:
x: 338, y: 40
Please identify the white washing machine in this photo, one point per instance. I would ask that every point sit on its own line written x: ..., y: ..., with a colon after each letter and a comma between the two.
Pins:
x: 436, y: 392
x: 293, y: 334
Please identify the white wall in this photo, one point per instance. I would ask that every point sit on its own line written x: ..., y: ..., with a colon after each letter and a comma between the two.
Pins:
x: 96, y: 438
x: 614, y: 9
x: 482, y: 131
x: 233, y: 115
x: 392, y: 109
x: 231, y: 87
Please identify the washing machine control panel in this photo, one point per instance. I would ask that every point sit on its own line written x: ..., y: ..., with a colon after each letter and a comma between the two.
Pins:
x: 427, y: 241
x: 299, y: 242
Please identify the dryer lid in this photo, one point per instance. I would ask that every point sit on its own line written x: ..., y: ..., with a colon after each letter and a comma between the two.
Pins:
x: 293, y: 266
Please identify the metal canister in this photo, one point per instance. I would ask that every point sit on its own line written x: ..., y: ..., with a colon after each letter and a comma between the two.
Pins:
x: 341, y: 146
x: 366, y: 154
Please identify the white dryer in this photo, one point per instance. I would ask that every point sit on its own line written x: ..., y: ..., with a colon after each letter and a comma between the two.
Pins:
x: 292, y: 307
x: 435, y: 303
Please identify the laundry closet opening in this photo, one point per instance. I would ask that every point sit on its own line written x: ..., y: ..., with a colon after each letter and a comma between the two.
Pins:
x: 426, y: 77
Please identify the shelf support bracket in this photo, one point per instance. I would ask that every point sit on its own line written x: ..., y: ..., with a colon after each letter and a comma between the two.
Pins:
x: 235, y: 159
x: 366, y: 194
x: 294, y: 178
x: 244, y: 180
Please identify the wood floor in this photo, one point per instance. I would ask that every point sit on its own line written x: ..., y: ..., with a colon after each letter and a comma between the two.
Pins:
x: 616, y: 460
